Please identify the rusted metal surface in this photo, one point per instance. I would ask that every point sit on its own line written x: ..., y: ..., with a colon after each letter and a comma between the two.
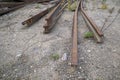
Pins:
x: 4, y: 11
x: 91, y: 21
x: 35, y: 18
x: 74, y: 51
x: 6, y: 7
x: 53, y: 16
x: 10, y: 4
x: 35, y: 1
x: 97, y: 35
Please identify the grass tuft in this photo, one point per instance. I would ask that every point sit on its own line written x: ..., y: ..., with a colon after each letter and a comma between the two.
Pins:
x: 88, y: 35
x: 55, y: 57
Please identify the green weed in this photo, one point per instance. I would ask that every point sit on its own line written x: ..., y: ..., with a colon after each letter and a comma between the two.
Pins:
x: 55, y: 56
x: 88, y: 35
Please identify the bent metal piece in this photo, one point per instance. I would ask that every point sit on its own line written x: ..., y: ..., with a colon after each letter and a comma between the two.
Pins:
x: 91, y: 21
x: 35, y: 18
x: 74, y: 51
x: 96, y: 35
x: 53, y: 16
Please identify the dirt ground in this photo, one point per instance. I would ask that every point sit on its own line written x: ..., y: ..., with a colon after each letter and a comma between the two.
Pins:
x: 26, y: 53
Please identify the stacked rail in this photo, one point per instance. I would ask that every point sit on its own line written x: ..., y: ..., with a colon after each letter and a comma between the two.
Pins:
x: 53, y: 16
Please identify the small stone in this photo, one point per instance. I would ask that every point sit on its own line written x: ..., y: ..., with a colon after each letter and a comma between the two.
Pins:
x: 19, y: 55
x: 114, y: 50
x: 34, y: 71
x: 80, y: 67
x: 64, y: 57
x: 89, y: 51
x: 15, y: 69
x: 69, y: 63
x: 78, y: 72
x: 31, y: 66
x: 4, y: 75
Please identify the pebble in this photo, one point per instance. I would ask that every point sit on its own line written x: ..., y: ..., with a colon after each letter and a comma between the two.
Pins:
x: 15, y: 69
x: 4, y: 75
x: 114, y: 50
x: 64, y: 57
x: 34, y: 71
x: 19, y: 55
x: 80, y: 67
x: 88, y: 51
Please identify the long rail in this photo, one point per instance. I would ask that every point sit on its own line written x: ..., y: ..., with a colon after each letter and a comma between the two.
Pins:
x: 97, y: 33
x: 10, y: 9
x: 40, y: 1
x: 91, y: 21
x: 35, y: 18
x: 74, y: 51
x: 10, y: 4
x: 53, y: 16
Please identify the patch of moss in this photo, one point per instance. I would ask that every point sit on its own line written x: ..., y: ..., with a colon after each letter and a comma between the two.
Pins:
x: 88, y: 35
x: 55, y: 56
x: 73, y: 6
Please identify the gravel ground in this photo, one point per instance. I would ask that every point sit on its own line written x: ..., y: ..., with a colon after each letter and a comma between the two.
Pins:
x: 26, y: 53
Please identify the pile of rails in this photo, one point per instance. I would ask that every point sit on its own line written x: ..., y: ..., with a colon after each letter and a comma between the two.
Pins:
x: 6, y: 7
x: 53, y: 13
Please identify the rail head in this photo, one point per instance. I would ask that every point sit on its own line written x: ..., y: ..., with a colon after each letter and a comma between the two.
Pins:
x: 74, y: 50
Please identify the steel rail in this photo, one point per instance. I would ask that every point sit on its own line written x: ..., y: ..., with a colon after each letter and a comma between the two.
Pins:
x: 91, y: 21
x: 40, y: 1
x: 53, y: 16
x: 10, y: 4
x: 35, y: 18
x: 90, y: 26
x: 10, y: 9
x: 96, y: 36
x: 74, y: 51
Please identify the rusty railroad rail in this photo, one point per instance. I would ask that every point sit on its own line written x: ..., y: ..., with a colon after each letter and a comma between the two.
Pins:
x: 91, y: 25
x: 10, y: 4
x: 53, y: 16
x: 7, y: 10
x: 35, y: 18
x: 6, y: 7
x: 74, y: 51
